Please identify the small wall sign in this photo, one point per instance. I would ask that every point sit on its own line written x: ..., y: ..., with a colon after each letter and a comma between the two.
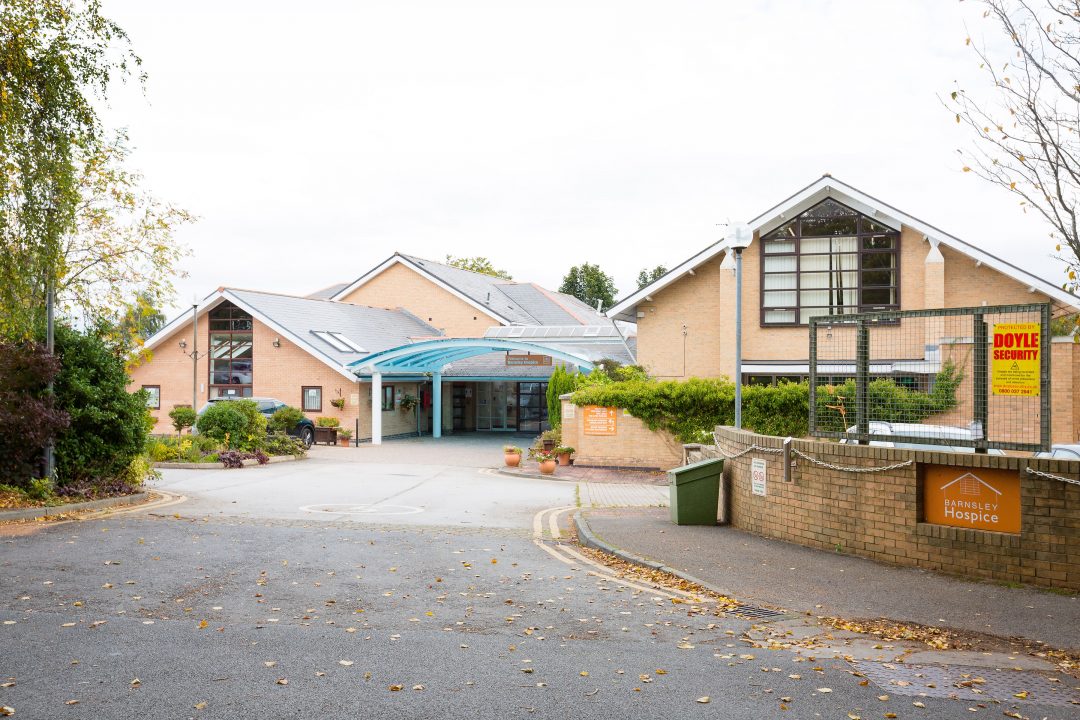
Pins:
x: 600, y: 420
x: 757, y: 477
x: 520, y: 360
x: 976, y: 498
x: 570, y: 411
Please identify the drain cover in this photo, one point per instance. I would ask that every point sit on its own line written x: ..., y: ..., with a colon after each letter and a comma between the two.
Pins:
x: 756, y: 612
x: 973, y: 684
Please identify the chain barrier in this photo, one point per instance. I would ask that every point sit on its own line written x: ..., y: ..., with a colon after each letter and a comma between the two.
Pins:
x: 830, y: 466
x: 1049, y: 476
x: 811, y: 459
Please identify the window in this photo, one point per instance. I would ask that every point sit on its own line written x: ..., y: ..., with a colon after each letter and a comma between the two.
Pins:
x: 230, y: 352
x: 337, y: 341
x: 153, y: 396
x: 388, y: 397
x: 831, y: 260
x: 311, y: 398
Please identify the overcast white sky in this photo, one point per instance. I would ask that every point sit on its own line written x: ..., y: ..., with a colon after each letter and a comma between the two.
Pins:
x: 315, y: 139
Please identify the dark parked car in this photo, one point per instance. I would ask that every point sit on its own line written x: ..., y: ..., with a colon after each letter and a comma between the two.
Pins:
x: 305, y: 429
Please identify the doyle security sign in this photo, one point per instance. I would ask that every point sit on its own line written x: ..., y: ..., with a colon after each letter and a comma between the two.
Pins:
x: 976, y: 498
x: 1014, y: 359
x: 757, y: 477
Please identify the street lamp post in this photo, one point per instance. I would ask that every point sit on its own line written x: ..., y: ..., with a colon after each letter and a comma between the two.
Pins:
x: 739, y: 237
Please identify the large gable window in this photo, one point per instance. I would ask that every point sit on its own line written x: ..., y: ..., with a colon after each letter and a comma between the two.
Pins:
x: 230, y: 352
x: 831, y: 260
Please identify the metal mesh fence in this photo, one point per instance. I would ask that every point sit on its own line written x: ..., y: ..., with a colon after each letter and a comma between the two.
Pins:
x: 969, y: 379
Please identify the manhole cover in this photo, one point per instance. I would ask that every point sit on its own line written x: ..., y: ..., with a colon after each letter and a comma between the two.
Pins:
x: 349, y: 509
x: 755, y: 612
x: 973, y: 683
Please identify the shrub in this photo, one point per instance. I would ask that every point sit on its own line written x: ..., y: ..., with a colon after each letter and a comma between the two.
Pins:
x: 280, y: 444
x: 232, y: 458
x: 323, y: 421
x: 284, y: 419
x: 137, y: 471
x: 236, y: 423
x: 691, y: 409
x: 109, y: 425
x: 29, y: 418
x: 183, y: 417
x: 160, y: 450
x: 560, y: 383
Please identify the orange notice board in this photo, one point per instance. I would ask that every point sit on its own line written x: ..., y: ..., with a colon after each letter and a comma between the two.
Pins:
x: 977, y: 498
x: 599, y: 420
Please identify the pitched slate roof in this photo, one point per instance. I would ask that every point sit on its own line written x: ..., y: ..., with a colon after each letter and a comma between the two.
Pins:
x: 512, y: 303
x: 830, y: 187
x: 328, y: 292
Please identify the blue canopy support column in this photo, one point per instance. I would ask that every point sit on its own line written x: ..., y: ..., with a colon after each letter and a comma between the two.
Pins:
x: 376, y: 408
x: 436, y: 404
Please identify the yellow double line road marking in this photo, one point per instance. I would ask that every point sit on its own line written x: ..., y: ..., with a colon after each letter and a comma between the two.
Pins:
x: 550, y: 542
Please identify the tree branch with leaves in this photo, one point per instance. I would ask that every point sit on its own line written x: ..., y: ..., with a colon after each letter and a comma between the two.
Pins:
x: 1026, y: 130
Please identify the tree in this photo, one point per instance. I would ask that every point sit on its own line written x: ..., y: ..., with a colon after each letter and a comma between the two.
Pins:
x: 647, y: 277
x: 122, y: 245
x: 1026, y: 133
x: 588, y: 283
x: 55, y: 57
x: 477, y: 265
x: 29, y: 417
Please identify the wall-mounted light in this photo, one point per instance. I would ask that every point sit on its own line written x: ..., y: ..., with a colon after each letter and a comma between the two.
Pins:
x: 183, y: 344
x: 277, y: 342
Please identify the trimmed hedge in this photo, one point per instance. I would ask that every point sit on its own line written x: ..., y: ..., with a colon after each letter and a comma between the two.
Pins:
x: 691, y: 409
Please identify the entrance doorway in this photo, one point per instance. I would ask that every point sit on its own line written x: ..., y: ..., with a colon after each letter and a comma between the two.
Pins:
x: 496, y: 407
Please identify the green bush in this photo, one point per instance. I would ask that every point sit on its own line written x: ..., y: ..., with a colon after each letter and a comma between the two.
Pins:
x: 235, y: 423
x: 284, y: 419
x: 323, y: 421
x: 280, y: 444
x: 691, y: 409
x: 560, y: 383
x: 183, y: 417
x: 109, y: 425
x: 161, y: 450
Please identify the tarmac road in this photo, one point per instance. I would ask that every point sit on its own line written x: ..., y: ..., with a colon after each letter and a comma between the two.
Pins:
x: 238, y: 604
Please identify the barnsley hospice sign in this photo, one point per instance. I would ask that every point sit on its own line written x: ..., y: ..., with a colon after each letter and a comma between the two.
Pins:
x: 1015, y: 361
x: 977, y: 498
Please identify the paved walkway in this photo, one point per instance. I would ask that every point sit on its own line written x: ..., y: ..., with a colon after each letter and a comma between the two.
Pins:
x: 600, y: 495
x: 578, y: 473
x: 760, y: 570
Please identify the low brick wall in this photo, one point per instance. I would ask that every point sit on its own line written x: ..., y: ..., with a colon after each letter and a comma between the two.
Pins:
x: 633, y: 445
x: 880, y: 515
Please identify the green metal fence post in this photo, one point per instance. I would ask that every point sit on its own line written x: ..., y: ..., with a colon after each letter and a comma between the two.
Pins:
x: 862, y: 379
x: 813, y: 372
x: 980, y: 384
x: 1045, y: 339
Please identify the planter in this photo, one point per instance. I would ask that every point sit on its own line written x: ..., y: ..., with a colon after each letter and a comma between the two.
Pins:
x: 512, y: 459
x: 549, y: 445
x: 564, y: 459
x: 343, y: 441
x: 326, y: 435
x: 547, y: 467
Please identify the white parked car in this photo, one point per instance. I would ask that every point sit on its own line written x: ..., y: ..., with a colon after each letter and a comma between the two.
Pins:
x: 964, y: 437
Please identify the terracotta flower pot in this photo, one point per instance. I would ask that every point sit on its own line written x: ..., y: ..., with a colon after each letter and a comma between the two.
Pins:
x: 564, y: 458
x: 343, y: 441
x: 512, y: 459
x: 547, y: 467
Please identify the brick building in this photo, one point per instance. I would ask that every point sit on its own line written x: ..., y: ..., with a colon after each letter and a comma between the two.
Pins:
x: 304, y: 351
x: 831, y: 249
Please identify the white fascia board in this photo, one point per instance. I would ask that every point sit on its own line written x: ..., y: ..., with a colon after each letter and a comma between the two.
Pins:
x: 296, y: 340
x: 398, y: 260
x: 209, y: 302
x: 624, y: 308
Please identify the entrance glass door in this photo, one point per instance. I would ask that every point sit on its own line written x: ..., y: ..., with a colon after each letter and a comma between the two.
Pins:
x: 494, y: 408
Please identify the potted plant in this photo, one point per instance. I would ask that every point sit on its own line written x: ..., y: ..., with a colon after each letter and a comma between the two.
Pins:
x: 343, y: 436
x: 339, y: 403
x: 564, y: 453
x: 547, y: 463
x: 326, y: 429
x: 408, y: 402
x: 512, y: 455
x: 550, y: 439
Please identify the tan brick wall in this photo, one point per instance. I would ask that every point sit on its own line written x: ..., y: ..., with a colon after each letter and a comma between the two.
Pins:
x: 401, y: 286
x: 633, y: 445
x: 278, y: 372
x: 879, y: 515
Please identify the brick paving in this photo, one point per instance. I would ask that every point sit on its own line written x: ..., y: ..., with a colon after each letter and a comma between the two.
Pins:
x: 610, y: 476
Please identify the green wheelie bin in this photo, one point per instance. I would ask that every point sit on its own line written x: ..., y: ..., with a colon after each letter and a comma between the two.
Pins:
x: 695, y: 492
